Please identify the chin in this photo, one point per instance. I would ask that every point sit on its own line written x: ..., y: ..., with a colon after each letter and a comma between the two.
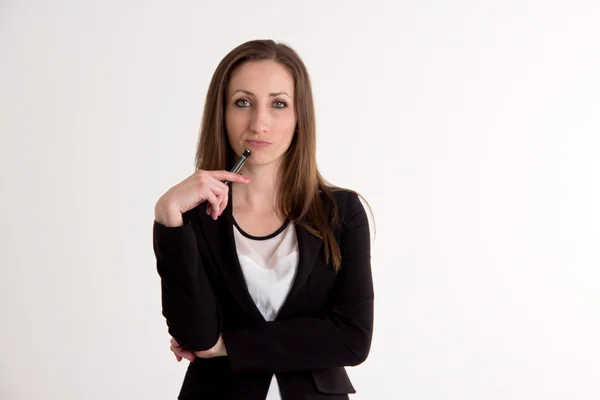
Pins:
x: 262, y: 159
x: 259, y: 161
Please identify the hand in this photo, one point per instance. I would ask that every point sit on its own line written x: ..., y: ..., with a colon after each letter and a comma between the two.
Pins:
x: 199, y: 187
x: 218, y: 350
x: 180, y: 352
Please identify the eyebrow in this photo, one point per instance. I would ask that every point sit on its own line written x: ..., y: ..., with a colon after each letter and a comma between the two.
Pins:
x: 252, y: 94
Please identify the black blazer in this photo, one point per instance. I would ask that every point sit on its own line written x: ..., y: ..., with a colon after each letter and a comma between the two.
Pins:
x: 325, y: 323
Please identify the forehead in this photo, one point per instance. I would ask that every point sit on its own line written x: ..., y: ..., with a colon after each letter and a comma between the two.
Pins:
x: 261, y: 77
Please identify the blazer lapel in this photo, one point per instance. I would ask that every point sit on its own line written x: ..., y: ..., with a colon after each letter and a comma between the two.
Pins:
x: 221, y: 242
x: 309, y: 247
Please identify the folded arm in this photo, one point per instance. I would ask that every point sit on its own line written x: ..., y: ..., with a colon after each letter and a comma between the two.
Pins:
x: 343, y: 338
x: 188, y: 302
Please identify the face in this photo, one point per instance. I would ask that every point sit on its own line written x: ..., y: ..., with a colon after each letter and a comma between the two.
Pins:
x: 259, y: 111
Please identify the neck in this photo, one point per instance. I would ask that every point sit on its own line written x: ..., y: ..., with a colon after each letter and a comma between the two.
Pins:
x: 260, y: 193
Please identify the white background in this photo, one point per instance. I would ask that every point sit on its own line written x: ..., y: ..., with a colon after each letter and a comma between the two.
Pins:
x: 471, y: 127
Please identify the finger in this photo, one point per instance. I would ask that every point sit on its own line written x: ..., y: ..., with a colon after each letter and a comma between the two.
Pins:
x: 188, y: 355
x: 177, y: 356
x: 214, y: 202
x: 209, y: 179
x: 222, y: 192
x: 228, y: 176
x: 218, y: 210
x: 180, y: 352
x: 219, y: 189
x: 223, y: 205
x: 174, y: 346
x: 224, y: 199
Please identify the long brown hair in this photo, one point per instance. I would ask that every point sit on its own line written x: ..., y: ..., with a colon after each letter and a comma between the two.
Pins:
x: 300, y: 183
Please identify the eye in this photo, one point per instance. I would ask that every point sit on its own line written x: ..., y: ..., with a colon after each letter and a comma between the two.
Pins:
x: 279, y: 104
x: 242, y: 103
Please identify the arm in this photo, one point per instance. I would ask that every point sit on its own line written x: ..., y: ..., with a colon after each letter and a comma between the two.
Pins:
x: 341, y: 339
x: 188, y: 303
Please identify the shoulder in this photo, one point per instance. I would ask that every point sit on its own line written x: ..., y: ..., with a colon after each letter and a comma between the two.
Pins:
x: 343, y: 198
x: 345, y: 203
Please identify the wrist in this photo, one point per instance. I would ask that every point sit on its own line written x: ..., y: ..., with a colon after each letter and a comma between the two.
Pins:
x: 168, y: 215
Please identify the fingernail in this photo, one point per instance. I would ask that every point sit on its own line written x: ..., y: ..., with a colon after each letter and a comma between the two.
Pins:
x: 246, y: 179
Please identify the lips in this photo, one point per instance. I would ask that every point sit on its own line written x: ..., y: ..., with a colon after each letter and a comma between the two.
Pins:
x: 257, y: 143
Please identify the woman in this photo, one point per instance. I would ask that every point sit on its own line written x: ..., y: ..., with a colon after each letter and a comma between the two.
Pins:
x: 266, y: 286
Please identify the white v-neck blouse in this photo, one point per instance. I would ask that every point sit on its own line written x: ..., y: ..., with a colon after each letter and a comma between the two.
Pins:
x: 269, y: 265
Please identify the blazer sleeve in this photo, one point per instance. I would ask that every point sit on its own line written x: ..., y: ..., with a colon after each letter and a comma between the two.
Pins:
x: 188, y: 302
x: 305, y: 343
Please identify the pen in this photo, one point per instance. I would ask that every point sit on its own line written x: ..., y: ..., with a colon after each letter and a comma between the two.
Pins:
x: 238, y: 165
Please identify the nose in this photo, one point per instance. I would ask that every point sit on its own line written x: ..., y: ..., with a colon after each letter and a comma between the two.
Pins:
x: 260, y: 120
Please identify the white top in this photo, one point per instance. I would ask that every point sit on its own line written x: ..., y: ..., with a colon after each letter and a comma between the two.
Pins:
x: 269, y: 265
